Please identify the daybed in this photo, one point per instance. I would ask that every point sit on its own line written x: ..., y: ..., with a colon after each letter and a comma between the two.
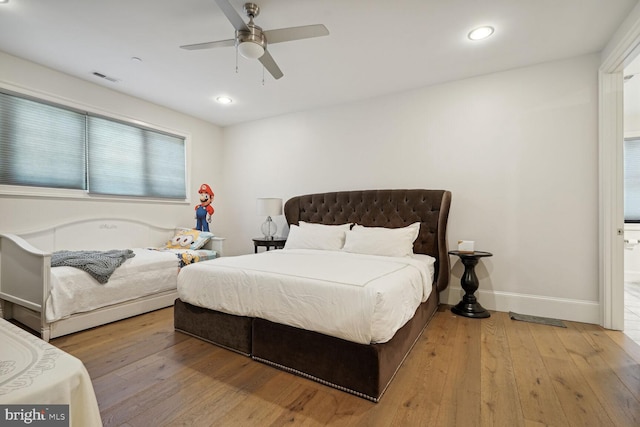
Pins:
x: 34, y: 375
x: 361, y: 368
x: 62, y: 300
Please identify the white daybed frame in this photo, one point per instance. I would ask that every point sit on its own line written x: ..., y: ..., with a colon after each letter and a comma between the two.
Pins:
x: 25, y: 270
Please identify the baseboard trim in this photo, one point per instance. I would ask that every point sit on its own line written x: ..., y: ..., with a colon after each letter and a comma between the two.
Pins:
x: 535, y: 305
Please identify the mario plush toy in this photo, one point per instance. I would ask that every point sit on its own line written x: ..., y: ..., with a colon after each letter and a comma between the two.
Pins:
x: 204, y: 210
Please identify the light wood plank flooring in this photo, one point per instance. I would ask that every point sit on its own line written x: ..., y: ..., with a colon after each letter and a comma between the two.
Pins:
x: 470, y: 372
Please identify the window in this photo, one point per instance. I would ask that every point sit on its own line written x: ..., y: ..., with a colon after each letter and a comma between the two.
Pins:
x: 130, y: 161
x: 35, y: 139
x: 632, y: 180
x: 45, y: 145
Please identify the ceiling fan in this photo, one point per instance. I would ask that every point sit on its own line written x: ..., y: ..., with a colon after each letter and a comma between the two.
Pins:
x: 251, y: 40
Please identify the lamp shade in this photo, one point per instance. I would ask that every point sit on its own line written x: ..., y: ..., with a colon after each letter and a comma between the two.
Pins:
x: 269, y: 206
x: 250, y: 50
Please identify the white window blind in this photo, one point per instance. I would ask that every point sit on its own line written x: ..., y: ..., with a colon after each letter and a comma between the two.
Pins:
x: 127, y: 160
x: 632, y: 180
x: 41, y: 145
x: 46, y: 145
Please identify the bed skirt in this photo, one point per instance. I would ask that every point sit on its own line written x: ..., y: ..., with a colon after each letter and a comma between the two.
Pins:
x: 224, y: 330
x: 363, y: 370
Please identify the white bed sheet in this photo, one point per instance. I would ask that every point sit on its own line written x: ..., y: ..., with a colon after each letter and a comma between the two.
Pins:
x: 75, y: 291
x: 360, y: 298
x: 33, y: 372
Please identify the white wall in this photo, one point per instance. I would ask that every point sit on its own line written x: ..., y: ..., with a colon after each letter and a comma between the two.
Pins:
x: 28, y: 213
x: 518, y: 150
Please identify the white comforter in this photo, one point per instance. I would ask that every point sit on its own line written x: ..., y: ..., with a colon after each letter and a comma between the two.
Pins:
x: 35, y: 373
x: 75, y: 291
x: 360, y: 298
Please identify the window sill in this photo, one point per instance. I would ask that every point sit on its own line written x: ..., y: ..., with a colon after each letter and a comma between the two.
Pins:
x: 62, y: 193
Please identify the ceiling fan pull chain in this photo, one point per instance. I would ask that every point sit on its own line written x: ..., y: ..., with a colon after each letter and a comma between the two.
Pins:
x: 236, y: 58
x: 263, y: 75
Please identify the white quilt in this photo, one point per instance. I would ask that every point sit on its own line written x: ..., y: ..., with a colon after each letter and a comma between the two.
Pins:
x: 360, y: 298
x: 75, y: 291
x: 33, y: 372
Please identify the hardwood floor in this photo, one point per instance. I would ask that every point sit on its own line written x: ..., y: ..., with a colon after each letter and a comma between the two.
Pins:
x: 471, y: 372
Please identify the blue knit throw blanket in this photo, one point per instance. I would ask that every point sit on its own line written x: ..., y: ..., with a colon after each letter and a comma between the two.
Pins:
x: 99, y: 264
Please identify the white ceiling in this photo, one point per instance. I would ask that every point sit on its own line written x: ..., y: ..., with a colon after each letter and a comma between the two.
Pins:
x: 375, y: 47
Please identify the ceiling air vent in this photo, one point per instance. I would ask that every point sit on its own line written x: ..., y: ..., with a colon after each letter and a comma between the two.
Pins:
x: 102, y: 76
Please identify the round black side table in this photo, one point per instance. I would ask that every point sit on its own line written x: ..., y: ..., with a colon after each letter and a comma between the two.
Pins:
x: 469, y: 306
x: 274, y: 242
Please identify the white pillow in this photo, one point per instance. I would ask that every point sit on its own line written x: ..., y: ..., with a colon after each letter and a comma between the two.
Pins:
x: 396, y: 242
x: 345, y: 227
x: 315, y: 238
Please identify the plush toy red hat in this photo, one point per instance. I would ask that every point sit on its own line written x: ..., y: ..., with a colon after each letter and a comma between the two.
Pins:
x: 204, y: 188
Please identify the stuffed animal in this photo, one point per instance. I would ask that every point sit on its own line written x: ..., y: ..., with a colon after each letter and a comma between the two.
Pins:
x: 204, y: 210
x: 183, y: 239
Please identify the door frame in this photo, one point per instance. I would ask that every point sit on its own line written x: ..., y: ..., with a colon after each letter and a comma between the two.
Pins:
x: 623, y: 48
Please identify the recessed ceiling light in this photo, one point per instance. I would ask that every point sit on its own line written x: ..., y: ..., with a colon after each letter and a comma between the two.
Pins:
x: 480, y: 33
x: 224, y: 100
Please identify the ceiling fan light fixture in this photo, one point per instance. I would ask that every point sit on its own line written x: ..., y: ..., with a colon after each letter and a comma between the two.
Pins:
x: 480, y: 33
x: 251, y: 42
x: 250, y: 50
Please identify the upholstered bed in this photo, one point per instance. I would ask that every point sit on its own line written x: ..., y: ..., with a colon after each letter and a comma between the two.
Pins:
x: 361, y: 368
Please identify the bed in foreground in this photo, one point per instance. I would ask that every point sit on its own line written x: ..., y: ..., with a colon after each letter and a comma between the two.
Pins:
x: 356, y: 348
x: 33, y: 374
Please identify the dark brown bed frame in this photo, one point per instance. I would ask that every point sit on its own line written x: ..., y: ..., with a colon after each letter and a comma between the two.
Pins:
x: 363, y: 370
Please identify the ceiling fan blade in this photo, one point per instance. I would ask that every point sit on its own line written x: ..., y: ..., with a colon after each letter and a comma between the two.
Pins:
x: 233, y: 16
x: 295, y: 33
x: 270, y: 64
x: 209, y: 45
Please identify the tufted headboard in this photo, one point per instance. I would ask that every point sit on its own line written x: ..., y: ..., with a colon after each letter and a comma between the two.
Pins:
x: 384, y: 208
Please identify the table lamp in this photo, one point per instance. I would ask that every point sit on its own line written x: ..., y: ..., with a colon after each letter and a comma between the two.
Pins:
x: 269, y: 206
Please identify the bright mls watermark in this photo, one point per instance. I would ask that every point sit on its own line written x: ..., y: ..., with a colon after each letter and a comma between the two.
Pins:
x: 34, y: 415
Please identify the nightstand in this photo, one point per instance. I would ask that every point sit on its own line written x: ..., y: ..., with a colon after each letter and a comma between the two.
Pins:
x: 469, y: 306
x: 276, y: 243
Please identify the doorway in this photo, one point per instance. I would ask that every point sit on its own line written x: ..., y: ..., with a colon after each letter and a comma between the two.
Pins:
x: 631, y: 191
x: 617, y: 55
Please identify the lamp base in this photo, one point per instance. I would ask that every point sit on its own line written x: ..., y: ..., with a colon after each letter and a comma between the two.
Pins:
x: 269, y: 228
